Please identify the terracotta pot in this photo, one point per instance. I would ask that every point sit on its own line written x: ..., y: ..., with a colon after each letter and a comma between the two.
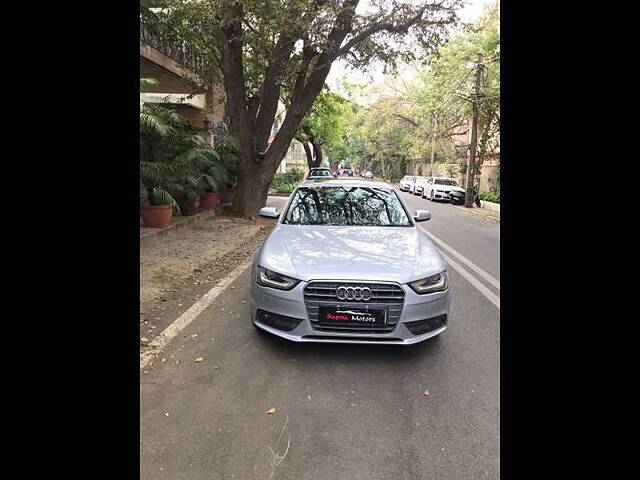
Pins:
x: 188, y: 206
x: 226, y: 196
x: 156, y: 216
x: 209, y: 201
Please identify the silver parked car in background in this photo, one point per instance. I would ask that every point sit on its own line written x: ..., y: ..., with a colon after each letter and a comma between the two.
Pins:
x: 320, y: 173
x: 346, y: 262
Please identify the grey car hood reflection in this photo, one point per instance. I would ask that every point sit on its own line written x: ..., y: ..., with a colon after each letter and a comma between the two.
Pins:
x: 399, y: 254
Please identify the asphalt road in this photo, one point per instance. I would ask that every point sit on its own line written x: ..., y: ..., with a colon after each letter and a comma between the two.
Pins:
x: 353, y: 412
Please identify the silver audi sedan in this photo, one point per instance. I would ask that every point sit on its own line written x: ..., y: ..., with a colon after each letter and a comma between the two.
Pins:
x: 346, y: 263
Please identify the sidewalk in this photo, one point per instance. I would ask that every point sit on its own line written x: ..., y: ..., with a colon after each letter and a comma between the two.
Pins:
x: 485, y: 212
x: 148, y: 235
x: 181, y: 263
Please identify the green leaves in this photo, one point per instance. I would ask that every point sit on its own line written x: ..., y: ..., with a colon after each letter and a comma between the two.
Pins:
x: 174, y: 159
x: 399, y: 127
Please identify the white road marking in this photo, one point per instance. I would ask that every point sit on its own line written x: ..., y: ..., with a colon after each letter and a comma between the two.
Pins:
x: 463, y: 259
x: 169, y: 333
x: 492, y: 297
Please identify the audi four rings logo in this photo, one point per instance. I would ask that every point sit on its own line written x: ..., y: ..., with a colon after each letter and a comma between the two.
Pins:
x: 354, y: 293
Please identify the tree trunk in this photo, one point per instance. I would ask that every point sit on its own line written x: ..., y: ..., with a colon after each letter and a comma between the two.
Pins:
x: 258, y: 163
x: 318, y: 153
x: 307, y: 151
x: 253, y: 187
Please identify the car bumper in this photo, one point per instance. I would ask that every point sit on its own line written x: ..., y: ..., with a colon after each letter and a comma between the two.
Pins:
x: 440, y: 196
x: 291, y: 304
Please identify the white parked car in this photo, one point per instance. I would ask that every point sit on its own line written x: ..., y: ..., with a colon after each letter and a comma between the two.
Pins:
x: 438, y: 188
x: 367, y: 174
x: 406, y: 182
x: 418, y: 185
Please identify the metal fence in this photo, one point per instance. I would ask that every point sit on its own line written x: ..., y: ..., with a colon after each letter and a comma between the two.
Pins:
x: 160, y: 37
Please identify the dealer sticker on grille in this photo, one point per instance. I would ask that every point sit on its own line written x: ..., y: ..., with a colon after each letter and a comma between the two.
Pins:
x: 351, y: 317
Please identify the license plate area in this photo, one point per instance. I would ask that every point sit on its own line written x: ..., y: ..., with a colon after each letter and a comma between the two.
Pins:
x: 352, y: 317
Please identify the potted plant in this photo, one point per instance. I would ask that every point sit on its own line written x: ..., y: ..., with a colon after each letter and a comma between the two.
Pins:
x: 167, y: 167
x: 211, y: 175
x: 188, y: 201
x: 209, y: 200
x: 227, y: 150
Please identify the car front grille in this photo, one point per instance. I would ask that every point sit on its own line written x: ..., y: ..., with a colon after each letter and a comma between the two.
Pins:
x: 384, y: 296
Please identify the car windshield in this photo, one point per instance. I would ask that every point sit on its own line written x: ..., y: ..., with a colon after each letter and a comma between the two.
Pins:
x: 320, y: 173
x: 445, y: 181
x: 362, y: 206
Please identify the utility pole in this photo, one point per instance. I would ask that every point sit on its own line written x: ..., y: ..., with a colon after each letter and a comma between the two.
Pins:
x: 434, y: 123
x: 468, y: 198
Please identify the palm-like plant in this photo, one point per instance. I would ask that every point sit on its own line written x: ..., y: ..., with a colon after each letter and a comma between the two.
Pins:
x: 174, y: 160
x: 167, y: 164
x: 212, y: 174
x: 227, y: 149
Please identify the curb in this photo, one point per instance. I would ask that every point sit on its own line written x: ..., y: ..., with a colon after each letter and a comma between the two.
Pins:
x: 148, y: 235
x: 490, y: 205
x: 470, y: 210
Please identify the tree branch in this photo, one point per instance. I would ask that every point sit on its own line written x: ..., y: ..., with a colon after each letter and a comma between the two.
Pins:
x: 411, y: 121
x: 387, y: 24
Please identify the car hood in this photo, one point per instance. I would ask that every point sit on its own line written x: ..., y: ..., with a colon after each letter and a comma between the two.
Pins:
x: 399, y: 254
x: 448, y: 188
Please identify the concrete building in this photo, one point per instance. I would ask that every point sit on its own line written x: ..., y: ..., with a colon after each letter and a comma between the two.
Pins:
x: 181, y: 84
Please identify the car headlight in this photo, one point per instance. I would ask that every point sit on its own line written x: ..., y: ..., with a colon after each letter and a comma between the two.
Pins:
x: 435, y: 283
x: 268, y: 278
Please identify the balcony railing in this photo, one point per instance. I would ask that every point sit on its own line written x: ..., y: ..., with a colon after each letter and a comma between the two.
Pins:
x: 160, y: 37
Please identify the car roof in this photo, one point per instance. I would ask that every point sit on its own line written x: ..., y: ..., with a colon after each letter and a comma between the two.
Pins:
x: 320, y: 168
x: 345, y: 183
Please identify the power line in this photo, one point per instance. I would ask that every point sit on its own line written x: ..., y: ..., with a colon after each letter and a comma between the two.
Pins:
x: 445, y: 101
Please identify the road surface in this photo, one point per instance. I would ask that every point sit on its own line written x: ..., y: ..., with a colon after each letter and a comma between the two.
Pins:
x: 341, y: 411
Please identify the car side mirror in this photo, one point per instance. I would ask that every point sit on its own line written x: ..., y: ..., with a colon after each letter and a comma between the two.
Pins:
x: 269, y: 212
x: 422, y: 215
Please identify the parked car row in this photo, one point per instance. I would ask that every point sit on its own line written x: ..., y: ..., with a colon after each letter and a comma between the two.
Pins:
x: 433, y: 188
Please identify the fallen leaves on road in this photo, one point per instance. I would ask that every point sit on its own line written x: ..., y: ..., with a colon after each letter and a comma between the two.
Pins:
x: 199, y: 359
x: 271, y: 411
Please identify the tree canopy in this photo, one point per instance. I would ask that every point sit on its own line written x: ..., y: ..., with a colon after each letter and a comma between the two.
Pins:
x: 264, y: 50
x: 408, y: 119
